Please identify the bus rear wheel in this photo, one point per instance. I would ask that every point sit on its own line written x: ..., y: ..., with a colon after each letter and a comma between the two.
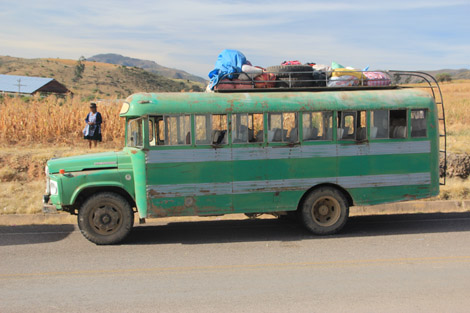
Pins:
x: 105, y: 218
x: 324, y: 211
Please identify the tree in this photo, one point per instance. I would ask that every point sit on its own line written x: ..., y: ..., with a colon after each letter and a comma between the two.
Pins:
x: 79, y: 69
x: 444, y: 77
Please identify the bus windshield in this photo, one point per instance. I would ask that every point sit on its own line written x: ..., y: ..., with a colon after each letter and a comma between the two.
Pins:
x: 134, y: 133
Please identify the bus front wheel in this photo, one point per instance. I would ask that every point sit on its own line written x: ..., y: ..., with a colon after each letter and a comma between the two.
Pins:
x: 324, y: 211
x: 105, y: 218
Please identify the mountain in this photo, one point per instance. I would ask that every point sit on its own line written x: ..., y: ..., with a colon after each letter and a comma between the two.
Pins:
x: 99, y: 80
x: 147, y: 65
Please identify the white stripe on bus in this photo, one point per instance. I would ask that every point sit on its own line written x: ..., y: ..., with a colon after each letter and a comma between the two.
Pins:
x: 245, y: 187
x: 277, y: 153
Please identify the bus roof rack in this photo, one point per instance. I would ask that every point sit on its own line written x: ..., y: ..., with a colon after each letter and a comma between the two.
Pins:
x: 340, y: 79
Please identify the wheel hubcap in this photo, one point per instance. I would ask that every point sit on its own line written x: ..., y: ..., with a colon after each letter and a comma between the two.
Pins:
x: 326, y: 211
x: 323, y: 210
x: 105, y: 219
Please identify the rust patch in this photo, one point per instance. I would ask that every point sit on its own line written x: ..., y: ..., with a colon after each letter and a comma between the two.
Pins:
x: 153, y: 193
x: 189, y: 208
x: 173, y: 211
x: 230, y: 109
x: 133, y: 151
x: 410, y: 197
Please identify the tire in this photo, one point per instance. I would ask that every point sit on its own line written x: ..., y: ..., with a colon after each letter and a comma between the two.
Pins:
x: 283, y: 71
x: 324, y: 211
x: 299, y: 81
x: 105, y: 218
x: 319, y: 79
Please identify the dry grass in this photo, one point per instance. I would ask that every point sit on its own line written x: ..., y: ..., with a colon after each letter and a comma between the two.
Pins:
x: 21, y: 197
x: 455, y: 189
x: 457, y: 105
x: 22, y: 180
x: 26, y: 163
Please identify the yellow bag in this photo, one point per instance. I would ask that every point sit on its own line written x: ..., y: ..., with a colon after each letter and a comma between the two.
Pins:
x: 350, y: 72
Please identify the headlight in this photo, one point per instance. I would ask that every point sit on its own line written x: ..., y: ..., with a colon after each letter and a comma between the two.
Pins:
x: 53, y: 187
x: 48, y: 186
x: 46, y: 170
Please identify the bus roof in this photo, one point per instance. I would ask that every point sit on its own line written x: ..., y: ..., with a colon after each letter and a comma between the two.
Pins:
x: 141, y: 104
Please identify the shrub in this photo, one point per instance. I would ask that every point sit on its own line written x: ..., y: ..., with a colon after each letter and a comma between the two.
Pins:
x: 443, y: 77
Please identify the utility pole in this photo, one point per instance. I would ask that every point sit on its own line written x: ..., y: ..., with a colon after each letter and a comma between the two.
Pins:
x: 19, y: 85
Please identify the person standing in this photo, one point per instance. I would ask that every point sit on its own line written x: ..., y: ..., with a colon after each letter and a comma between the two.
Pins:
x: 92, y: 130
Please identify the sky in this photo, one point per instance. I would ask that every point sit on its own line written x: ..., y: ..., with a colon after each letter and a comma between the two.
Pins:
x: 189, y: 35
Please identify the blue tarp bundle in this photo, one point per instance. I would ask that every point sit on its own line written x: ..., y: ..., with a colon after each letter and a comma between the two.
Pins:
x: 229, y: 61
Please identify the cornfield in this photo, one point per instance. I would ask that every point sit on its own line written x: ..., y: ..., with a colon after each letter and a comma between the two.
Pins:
x: 54, y: 120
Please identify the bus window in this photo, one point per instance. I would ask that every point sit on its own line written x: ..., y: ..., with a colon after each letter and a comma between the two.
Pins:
x: 317, y: 126
x: 178, y: 130
x: 418, y: 123
x: 247, y: 128
x: 398, y: 127
x: 282, y: 127
x: 211, y: 129
x: 361, y: 126
x: 203, y: 129
x: 352, y: 125
x: 219, y: 129
x: 134, y: 133
x: 347, y: 125
x: 152, y: 138
x: 379, y: 124
x: 160, y: 128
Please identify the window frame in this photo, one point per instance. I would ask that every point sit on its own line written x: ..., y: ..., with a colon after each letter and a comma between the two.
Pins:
x: 233, y: 125
x: 268, y: 129
x: 157, y: 118
x: 165, y: 116
x: 341, y: 120
x: 227, y: 136
x: 388, y: 125
x: 144, y: 134
x: 407, y: 124
x: 322, y: 115
x: 426, y: 118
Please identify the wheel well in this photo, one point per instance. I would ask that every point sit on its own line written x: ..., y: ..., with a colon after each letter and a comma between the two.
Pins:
x: 341, y: 189
x: 84, y: 194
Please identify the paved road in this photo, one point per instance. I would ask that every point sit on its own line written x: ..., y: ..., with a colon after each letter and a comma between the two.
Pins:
x: 407, y: 263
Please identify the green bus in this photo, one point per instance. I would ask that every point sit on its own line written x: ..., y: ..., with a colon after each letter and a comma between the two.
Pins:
x: 314, y: 154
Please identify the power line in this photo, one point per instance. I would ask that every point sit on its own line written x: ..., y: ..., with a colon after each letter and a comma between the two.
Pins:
x: 19, y: 85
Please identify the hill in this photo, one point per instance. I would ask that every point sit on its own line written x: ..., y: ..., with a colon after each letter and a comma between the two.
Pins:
x: 461, y: 74
x: 147, y: 65
x: 455, y: 74
x: 99, y: 80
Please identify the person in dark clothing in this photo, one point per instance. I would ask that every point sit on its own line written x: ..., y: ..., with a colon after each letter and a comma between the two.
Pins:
x: 92, y: 130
